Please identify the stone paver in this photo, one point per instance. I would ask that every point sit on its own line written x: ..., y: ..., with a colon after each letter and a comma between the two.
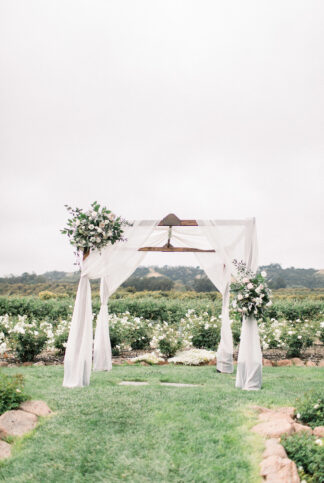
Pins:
x: 39, y: 408
x: 16, y: 423
x: 5, y: 450
x: 301, y: 427
x: 273, y: 429
x: 133, y: 383
x: 319, y: 431
x: 178, y: 384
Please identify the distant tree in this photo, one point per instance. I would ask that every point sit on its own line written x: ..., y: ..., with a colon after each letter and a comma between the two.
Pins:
x: 203, y: 285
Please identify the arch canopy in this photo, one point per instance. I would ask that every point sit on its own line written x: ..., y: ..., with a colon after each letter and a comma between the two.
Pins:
x: 215, y: 243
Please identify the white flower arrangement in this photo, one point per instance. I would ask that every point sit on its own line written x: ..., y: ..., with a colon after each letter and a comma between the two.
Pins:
x: 193, y: 357
x: 251, y: 292
x: 93, y: 229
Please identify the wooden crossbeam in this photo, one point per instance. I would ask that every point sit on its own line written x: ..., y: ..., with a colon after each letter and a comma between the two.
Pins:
x: 170, y: 221
x: 171, y: 249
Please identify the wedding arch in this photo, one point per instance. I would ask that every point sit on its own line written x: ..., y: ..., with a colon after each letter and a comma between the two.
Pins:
x: 215, y: 243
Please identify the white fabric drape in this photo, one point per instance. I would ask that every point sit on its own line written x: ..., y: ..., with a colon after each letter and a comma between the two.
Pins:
x: 114, y: 264
x: 249, y: 362
x: 102, y: 360
x: 220, y: 275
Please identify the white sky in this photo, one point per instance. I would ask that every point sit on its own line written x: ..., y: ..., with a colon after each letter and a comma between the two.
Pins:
x: 208, y: 109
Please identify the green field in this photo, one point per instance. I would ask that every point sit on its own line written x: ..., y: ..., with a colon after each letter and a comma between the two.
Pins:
x: 112, y: 433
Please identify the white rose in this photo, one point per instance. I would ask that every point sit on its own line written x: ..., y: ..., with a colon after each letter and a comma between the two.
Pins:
x: 264, y: 273
x: 111, y: 216
x: 240, y: 296
x: 246, y: 280
x: 91, y: 227
x: 77, y: 222
x: 250, y: 286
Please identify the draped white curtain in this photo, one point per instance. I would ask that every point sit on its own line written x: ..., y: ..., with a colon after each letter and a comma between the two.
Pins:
x: 229, y: 238
x: 249, y: 362
x: 114, y: 265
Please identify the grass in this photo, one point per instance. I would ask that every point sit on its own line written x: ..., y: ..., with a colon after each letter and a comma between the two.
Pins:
x: 111, y: 433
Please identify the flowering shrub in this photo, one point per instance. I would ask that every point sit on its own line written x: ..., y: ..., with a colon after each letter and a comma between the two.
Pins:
x: 61, y: 335
x: 167, y: 339
x: 293, y: 336
x: 310, y: 409
x: 11, y: 392
x: 201, y: 331
x: 251, y: 293
x: 308, y: 453
x: 94, y: 228
x: 27, y: 339
x: 150, y: 358
x: 47, y: 295
x: 193, y: 357
x: 127, y: 332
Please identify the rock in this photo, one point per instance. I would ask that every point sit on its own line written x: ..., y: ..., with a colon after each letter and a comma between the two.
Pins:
x: 212, y: 362
x: 3, y: 364
x: 16, y: 423
x: 27, y: 363
x: 39, y: 408
x: 301, y: 427
x: 319, y: 431
x: 321, y: 363
x: 297, y: 361
x: 40, y: 363
x: 310, y: 364
x: 273, y: 429
x: 288, y: 410
x: 273, y: 448
x: 275, y: 416
x: 5, y: 450
x: 261, y: 409
x: 267, y: 362
x: 163, y: 363
x: 284, y: 362
x: 279, y: 470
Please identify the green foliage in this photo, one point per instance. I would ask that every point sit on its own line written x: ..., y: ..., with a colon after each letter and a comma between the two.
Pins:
x: 29, y: 345
x: 310, y: 408
x: 297, y: 343
x: 47, y: 295
x: 307, y: 454
x: 169, y: 346
x: 140, y: 339
x: 11, y: 392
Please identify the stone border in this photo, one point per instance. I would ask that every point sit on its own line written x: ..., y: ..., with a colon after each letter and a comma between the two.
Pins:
x: 275, y: 466
x: 18, y: 422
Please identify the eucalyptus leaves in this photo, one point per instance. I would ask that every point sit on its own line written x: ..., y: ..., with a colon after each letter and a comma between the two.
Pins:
x: 251, y: 292
x: 93, y: 229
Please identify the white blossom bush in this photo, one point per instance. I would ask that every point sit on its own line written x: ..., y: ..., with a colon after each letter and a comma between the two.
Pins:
x: 292, y: 336
x: 27, y: 339
x: 129, y: 332
x: 167, y: 339
x: 201, y: 331
x: 61, y: 334
x: 193, y: 357
x: 150, y: 358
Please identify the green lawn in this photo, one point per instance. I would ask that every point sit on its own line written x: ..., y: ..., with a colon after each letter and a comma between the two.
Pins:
x: 112, y: 433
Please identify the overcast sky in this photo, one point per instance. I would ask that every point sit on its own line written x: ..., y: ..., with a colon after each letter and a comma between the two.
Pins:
x: 208, y: 109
